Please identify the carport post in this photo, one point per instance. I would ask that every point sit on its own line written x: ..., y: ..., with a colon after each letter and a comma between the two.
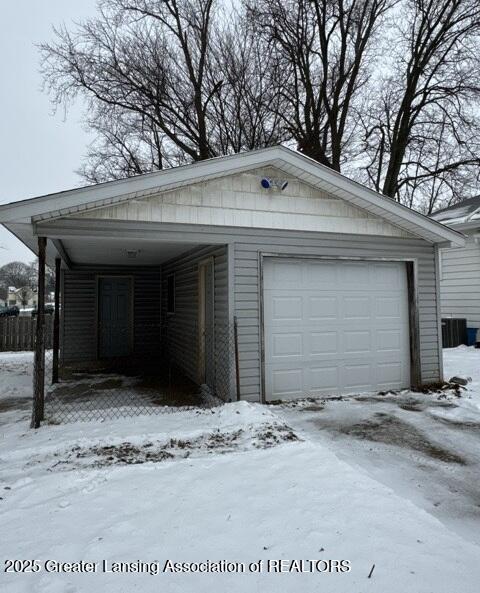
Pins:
x: 39, y: 356
x: 56, y: 322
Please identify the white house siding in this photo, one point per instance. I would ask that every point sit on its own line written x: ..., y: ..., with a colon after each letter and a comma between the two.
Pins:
x: 460, y: 282
x: 239, y: 200
x: 245, y: 246
x: 79, y: 307
x: 247, y: 297
x: 151, y: 323
x: 181, y: 327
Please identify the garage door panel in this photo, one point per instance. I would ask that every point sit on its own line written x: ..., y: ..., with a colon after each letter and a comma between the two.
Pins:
x: 343, y: 328
x: 284, y: 272
x: 287, y: 381
x: 320, y: 308
x: 357, y: 307
x: 389, y: 374
x: 287, y: 307
x: 323, y: 379
x: 389, y: 340
x: 387, y: 277
x: 317, y: 275
x: 388, y: 307
x: 323, y: 342
x: 354, y: 274
x: 357, y: 341
x: 358, y: 377
x: 287, y: 344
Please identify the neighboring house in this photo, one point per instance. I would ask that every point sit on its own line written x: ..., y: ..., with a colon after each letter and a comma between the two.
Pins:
x: 11, y: 296
x: 22, y: 297
x: 460, y: 268
x: 333, y: 286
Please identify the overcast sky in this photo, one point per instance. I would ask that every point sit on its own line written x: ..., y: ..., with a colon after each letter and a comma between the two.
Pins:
x: 39, y: 152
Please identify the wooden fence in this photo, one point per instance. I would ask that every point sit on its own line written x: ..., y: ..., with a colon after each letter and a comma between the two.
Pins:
x: 18, y: 333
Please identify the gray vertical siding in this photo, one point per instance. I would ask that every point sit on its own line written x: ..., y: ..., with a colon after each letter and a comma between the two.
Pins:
x: 460, y: 282
x: 79, y: 320
x: 247, y: 302
x: 182, y: 326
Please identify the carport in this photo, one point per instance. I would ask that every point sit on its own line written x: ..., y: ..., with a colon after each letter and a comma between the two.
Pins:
x: 139, y: 322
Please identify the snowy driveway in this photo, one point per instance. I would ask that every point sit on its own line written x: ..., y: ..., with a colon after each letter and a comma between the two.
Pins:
x: 424, y: 447
x: 371, y: 482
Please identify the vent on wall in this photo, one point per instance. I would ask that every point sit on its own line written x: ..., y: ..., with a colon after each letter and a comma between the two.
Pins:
x: 132, y: 253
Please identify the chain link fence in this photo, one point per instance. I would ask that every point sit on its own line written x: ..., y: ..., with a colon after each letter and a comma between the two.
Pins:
x: 188, y: 368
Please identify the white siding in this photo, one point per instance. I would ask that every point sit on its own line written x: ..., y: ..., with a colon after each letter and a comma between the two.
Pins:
x: 79, y: 314
x: 181, y: 328
x: 245, y: 245
x: 247, y: 291
x: 153, y: 328
x: 239, y: 201
x: 460, y: 282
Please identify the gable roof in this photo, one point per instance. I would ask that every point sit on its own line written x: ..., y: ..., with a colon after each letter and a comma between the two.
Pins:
x: 467, y: 211
x: 67, y: 203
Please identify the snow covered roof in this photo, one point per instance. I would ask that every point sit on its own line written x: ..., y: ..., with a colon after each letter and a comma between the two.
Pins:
x: 67, y: 203
x: 467, y: 211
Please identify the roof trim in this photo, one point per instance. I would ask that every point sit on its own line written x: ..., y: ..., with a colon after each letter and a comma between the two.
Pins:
x: 474, y: 200
x: 462, y: 215
x: 96, y: 196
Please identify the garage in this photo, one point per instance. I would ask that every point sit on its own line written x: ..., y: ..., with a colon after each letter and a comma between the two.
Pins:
x: 321, y: 286
x: 334, y: 327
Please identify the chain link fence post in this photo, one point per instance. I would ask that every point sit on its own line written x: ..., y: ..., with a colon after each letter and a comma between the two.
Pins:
x: 39, y: 360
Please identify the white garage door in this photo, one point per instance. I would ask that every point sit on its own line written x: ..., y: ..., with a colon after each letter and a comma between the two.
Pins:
x: 334, y: 327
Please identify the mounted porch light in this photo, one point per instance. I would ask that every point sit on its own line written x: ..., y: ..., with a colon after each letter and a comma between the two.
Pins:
x: 132, y: 253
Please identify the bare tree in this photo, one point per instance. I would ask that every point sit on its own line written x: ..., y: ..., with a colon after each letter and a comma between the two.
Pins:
x: 145, y: 61
x: 16, y: 274
x: 32, y: 272
x: 422, y: 134
x: 166, y: 81
x: 125, y: 145
x: 324, y: 51
x: 246, y: 110
x: 383, y: 90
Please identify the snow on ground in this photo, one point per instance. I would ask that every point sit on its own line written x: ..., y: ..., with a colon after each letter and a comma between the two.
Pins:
x: 465, y: 361
x: 369, y: 480
x: 16, y: 375
x: 426, y: 447
x: 15, y: 385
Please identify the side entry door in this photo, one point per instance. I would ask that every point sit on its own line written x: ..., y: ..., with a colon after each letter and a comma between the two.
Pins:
x: 114, y: 317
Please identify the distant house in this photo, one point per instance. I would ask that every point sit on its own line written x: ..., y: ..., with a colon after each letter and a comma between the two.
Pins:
x: 324, y: 286
x: 21, y: 297
x: 460, y: 268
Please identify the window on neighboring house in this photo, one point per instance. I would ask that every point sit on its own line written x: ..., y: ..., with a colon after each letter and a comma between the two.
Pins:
x: 12, y: 302
x: 171, y: 293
